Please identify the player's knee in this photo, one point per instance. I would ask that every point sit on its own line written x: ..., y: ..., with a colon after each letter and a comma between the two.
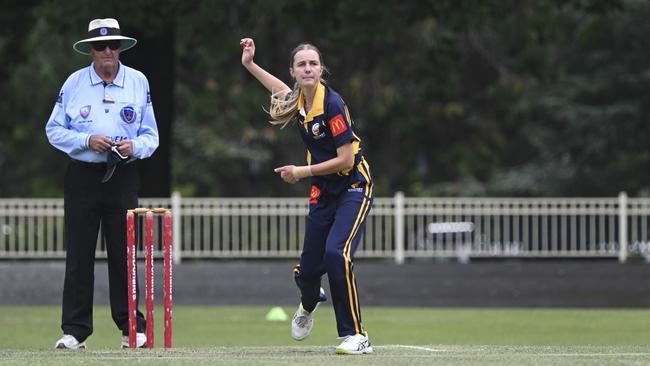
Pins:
x: 333, y: 258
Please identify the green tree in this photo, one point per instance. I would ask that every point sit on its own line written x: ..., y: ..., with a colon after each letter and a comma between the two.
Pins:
x: 450, y: 97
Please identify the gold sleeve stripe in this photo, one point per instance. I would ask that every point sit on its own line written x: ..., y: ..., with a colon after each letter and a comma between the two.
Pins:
x: 347, y: 114
x: 349, y: 118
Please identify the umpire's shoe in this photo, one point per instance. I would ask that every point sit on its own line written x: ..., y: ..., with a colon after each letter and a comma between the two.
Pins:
x: 140, y: 341
x: 303, y: 320
x: 69, y: 342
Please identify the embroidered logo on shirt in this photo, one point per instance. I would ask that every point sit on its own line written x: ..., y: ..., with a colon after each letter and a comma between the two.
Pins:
x: 338, y: 125
x: 128, y: 114
x: 313, y: 196
x: 316, y: 131
x: 85, y: 111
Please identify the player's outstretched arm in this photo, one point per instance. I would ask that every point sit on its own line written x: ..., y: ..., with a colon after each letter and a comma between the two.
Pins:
x: 270, y: 82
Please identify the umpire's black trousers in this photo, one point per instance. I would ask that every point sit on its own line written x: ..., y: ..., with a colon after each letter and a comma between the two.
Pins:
x: 89, y: 202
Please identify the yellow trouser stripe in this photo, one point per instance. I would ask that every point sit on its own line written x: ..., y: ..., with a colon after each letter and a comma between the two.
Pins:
x: 349, y: 275
x: 353, y: 280
x: 352, y: 294
x: 364, y: 169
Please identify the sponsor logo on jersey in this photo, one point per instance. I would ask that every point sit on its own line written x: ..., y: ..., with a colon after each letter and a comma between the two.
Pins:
x: 338, y: 125
x: 313, y: 196
x: 85, y: 111
x: 128, y: 114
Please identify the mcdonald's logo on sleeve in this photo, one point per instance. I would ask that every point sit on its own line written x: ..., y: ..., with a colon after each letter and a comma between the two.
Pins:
x: 338, y: 125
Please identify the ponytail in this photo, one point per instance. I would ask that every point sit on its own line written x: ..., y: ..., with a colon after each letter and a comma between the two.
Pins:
x: 284, y: 107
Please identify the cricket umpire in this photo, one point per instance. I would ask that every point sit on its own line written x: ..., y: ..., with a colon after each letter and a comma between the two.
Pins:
x: 103, y: 119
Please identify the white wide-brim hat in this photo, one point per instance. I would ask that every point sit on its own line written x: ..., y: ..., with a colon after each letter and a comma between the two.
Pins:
x: 103, y: 30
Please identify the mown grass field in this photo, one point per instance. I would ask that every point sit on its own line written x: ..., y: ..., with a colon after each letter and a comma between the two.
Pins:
x: 400, y: 336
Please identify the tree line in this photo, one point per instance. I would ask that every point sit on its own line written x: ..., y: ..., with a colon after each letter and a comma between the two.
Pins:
x: 451, y: 98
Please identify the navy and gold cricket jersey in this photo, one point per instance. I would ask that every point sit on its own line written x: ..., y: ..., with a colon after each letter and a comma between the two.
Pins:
x: 325, y: 128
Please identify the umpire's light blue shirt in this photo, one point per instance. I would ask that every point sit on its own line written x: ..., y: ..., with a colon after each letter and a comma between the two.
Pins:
x: 87, y: 106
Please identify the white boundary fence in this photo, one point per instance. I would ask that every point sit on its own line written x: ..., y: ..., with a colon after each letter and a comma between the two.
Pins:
x: 398, y: 227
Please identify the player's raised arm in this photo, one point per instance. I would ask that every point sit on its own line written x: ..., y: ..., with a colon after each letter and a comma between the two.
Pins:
x: 270, y: 82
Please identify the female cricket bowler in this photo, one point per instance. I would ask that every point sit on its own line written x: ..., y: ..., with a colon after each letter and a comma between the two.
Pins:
x: 341, y: 191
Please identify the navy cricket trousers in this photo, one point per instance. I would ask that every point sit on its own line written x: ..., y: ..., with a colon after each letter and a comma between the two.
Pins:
x: 334, y: 228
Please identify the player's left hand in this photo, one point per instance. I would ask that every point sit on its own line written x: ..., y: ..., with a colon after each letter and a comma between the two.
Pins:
x: 125, y: 147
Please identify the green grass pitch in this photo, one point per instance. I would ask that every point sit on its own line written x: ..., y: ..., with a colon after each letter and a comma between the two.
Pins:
x: 400, y: 336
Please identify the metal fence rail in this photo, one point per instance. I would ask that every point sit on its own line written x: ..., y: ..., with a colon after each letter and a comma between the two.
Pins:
x: 398, y: 227
x: 564, y: 227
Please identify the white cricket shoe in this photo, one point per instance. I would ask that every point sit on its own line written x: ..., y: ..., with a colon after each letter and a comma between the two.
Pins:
x: 69, y: 342
x: 303, y: 320
x: 140, y: 341
x: 357, y: 344
x: 302, y: 323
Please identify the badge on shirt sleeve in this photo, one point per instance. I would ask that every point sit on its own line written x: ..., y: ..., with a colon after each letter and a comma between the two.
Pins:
x: 338, y: 125
x: 128, y: 114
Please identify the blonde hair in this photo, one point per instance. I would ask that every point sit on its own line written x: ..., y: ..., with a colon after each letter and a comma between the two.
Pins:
x: 284, y: 107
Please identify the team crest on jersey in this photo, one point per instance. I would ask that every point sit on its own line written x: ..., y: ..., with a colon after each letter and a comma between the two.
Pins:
x: 316, y: 131
x: 128, y: 114
x: 84, y: 111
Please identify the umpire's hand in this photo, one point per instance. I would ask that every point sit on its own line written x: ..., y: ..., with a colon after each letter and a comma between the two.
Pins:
x: 125, y: 147
x: 99, y: 144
